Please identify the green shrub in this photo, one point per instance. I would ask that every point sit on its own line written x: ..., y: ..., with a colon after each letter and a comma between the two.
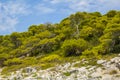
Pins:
x: 14, y: 61
x: 12, y: 68
x: 51, y: 58
x: 113, y: 72
x: 67, y: 73
x: 3, y: 57
x: 74, y: 47
x: 90, y: 53
x: 30, y: 61
x: 46, y: 65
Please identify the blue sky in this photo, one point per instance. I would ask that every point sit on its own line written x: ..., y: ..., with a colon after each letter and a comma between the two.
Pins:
x: 18, y: 15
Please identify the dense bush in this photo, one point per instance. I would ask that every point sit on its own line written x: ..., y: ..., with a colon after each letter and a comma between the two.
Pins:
x: 74, y: 47
x: 80, y: 34
x: 14, y: 61
x: 51, y: 58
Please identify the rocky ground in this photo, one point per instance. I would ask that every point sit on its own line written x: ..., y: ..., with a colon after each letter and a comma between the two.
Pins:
x: 109, y: 70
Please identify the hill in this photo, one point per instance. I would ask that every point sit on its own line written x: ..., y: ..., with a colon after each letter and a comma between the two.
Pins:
x: 82, y: 35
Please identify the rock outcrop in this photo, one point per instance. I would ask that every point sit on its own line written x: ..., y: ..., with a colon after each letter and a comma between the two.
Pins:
x: 109, y: 70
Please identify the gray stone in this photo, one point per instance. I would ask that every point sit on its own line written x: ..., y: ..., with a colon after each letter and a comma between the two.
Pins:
x: 101, y: 61
x: 29, y: 70
x: 76, y: 73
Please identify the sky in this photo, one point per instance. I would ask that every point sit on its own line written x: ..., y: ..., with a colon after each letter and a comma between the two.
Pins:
x: 18, y: 15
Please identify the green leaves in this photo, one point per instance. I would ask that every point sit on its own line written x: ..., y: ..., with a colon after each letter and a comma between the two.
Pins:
x: 45, y: 34
x: 87, y: 32
x: 80, y: 34
x: 14, y: 61
x: 74, y: 47
x: 111, y: 13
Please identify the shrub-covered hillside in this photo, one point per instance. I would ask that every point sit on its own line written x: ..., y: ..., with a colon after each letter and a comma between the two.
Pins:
x: 81, y: 34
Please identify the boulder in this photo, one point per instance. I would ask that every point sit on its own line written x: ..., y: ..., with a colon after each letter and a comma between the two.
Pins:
x: 29, y: 70
x: 101, y: 61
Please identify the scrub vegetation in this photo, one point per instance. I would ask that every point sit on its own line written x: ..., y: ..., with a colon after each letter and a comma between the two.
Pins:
x: 84, y: 35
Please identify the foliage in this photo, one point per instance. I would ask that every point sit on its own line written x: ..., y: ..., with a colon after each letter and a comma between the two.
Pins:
x: 67, y: 73
x: 30, y: 61
x: 51, y: 58
x: 74, y: 47
x: 81, y: 34
x: 14, y: 61
x: 113, y: 72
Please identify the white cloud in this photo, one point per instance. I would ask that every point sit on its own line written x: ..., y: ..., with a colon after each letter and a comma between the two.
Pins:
x: 8, y: 24
x: 87, y: 5
x: 15, y: 8
x: 109, y: 5
x: 58, y: 1
x: 55, y: 1
x: 92, y: 5
x: 9, y: 12
x: 43, y: 9
x: 79, y: 5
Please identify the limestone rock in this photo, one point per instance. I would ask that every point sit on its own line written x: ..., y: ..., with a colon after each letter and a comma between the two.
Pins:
x: 108, y: 71
x: 101, y: 61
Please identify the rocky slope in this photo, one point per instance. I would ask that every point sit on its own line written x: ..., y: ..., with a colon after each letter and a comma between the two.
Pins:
x: 108, y: 70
